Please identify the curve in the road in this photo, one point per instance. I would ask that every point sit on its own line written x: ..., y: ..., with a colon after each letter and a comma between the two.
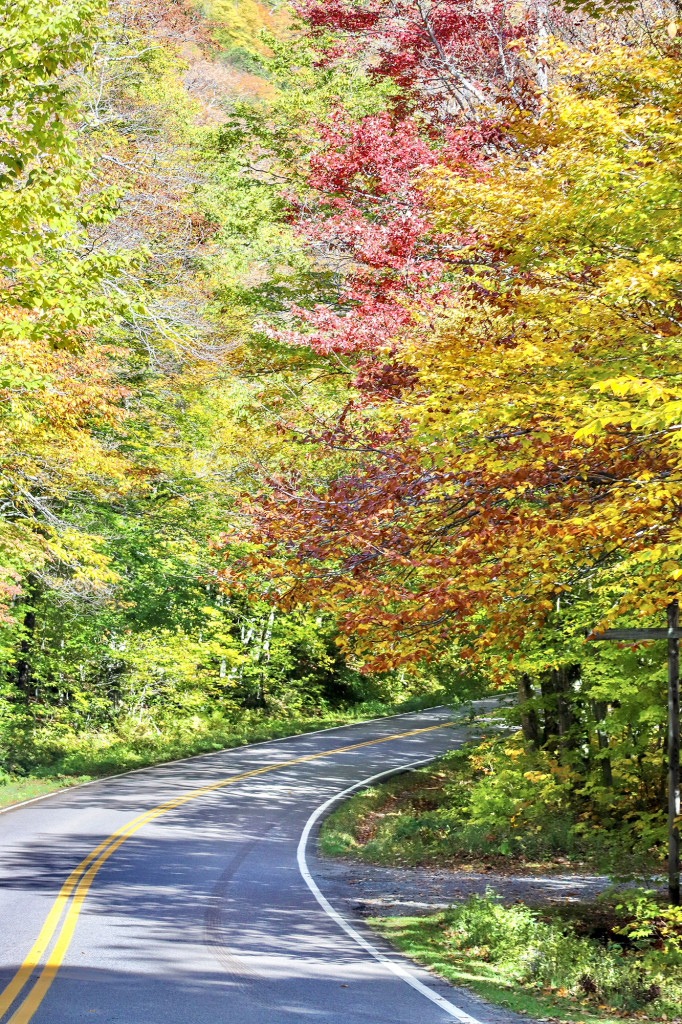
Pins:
x: 393, y: 965
x: 202, y: 916
x: 76, y: 886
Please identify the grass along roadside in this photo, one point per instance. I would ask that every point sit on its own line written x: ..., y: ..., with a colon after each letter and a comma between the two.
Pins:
x: 545, y: 965
x: 16, y: 791
x: 490, y: 806
x: 78, y: 759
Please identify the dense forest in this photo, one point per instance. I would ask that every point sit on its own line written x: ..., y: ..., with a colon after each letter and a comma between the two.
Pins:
x: 139, y: 254
x: 339, y: 369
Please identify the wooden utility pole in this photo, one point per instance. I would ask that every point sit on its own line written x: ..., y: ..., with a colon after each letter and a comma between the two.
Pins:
x: 672, y: 634
x: 673, y: 753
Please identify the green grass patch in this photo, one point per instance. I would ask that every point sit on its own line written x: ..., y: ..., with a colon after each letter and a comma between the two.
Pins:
x: 15, y: 791
x: 546, y: 966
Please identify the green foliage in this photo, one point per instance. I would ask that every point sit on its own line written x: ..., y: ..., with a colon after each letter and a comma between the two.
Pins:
x: 50, y: 754
x: 498, y: 803
x: 654, y: 930
x: 131, y: 225
x: 520, y: 950
x: 167, y: 659
x: 56, y: 758
x: 38, y: 40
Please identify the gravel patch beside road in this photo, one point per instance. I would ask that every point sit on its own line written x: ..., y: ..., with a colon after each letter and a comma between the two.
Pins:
x: 367, y: 890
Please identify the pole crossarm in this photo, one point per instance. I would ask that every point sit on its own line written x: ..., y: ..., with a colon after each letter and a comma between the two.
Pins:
x: 645, y: 633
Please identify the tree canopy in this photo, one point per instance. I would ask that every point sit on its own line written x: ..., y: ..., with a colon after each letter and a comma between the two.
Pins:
x: 338, y: 356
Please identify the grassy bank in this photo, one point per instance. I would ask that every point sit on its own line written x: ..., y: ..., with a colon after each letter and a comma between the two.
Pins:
x: 51, y: 763
x: 492, y: 806
x: 579, y: 964
x: 15, y: 791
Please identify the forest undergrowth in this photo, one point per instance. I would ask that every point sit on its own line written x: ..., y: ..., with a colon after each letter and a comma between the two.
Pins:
x: 620, y: 958
x: 496, y: 806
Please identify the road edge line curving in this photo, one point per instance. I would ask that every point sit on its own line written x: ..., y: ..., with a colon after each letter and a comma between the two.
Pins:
x: 393, y: 965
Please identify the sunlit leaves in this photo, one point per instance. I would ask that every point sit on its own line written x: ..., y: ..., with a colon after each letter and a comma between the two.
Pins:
x: 533, y: 454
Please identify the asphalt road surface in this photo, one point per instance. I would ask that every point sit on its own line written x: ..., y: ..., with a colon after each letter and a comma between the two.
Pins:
x: 184, y: 894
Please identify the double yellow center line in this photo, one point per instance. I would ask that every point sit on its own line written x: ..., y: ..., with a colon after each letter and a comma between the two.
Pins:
x: 76, y: 886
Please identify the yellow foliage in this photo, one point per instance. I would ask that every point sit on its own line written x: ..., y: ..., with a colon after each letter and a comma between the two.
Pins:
x: 243, y: 21
x: 556, y: 373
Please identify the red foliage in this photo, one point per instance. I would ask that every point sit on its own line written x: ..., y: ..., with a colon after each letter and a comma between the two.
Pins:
x: 364, y: 534
x: 370, y: 217
x: 444, y: 55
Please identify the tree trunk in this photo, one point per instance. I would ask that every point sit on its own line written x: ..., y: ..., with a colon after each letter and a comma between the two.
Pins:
x: 599, y: 710
x: 529, y: 717
x: 23, y: 669
x: 562, y: 678
x: 543, y: 32
x: 550, y: 729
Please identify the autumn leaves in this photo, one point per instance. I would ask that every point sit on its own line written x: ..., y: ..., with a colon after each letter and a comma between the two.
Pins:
x: 508, y: 315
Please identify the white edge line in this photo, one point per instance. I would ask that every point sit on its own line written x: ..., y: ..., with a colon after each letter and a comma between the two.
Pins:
x: 393, y: 965
x: 212, y: 753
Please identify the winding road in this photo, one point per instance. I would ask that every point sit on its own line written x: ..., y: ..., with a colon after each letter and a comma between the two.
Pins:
x: 186, y: 893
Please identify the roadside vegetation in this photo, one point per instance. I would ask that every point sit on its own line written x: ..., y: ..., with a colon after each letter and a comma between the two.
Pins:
x: 46, y: 762
x: 500, y: 807
x: 499, y: 804
x: 15, y: 790
x: 621, y: 958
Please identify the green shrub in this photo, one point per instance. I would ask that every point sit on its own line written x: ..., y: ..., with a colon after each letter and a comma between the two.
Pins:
x: 491, y: 800
x: 55, y: 751
x: 540, y: 952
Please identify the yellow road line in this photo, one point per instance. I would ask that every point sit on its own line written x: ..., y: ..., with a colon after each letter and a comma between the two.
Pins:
x: 9, y: 994
x: 81, y: 878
